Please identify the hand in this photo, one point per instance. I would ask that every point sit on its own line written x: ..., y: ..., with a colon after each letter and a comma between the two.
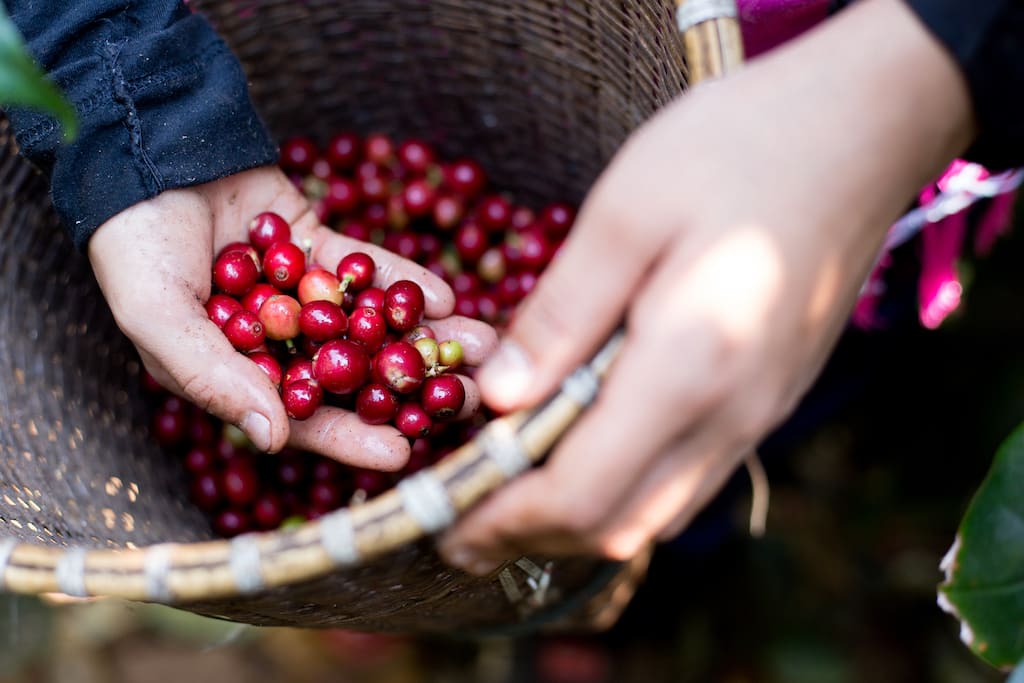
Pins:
x: 154, y: 261
x: 732, y: 233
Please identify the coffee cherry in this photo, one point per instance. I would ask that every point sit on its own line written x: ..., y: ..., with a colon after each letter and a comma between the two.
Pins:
x: 321, y: 321
x: 221, y: 307
x: 400, y: 366
x: 470, y: 242
x: 284, y: 264
x: 417, y: 333
x: 269, y: 365
x: 356, y: 230
x: 200, y: 430
x: 319, y: 285
x: 240, y: 483
x: 371, y: 297
x: 379, y: 149
x: 298, y: 154
x: 487, y: 306
x: 341, y: 196
x: 231, y: 522
x: 325, y: 496
x: 465, y: 283
x: 341, y: 366
x: 371, y: 482
x: 535, y: 250
x: 356, y: 271
x: 243, y: 248
x: 418, y: 198
x: 375, y: 404
x: 521, y: 218
x: 268, y: 511
x: 415, y: 156
x: 375, y: 216
x: 428, y: 349
x: 556, y: 219
x: 291, y: 471
x: 443, y: 396
x: 299, y: 368
x: 301, y: 398
x: 405, y: 244
x: 200, y: 459
x: 325, y: 469
x: 280, y: 317
x: 256, y: 297
x: 403, y: 305
x: 267, y: 228
x: 465, y: 305
x: 368, y: 327
x: 234, y: 273
x: 466, y: 177
x: 429, y: 246
x: 491, y: 267
x: 169, y: 426
x: 344, y: 151
x: 494, y: 213
x: 206, y: 491
x: 450, y: 354
x: 412, y: 421
x: 448, y: 211
x: 244, y: 330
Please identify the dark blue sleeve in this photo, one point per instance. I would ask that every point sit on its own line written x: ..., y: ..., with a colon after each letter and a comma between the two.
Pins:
x: 986, y: 37
x: 161, y: 100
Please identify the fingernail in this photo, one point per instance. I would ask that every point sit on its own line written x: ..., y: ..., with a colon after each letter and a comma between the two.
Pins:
x: 257, y: 427
x: 508, y: 373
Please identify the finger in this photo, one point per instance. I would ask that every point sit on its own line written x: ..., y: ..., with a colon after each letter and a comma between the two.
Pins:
x: 578, y: 301
x: 595, y: 467
x: 329, y: 247
x: 478, y: 339
x: 204, y: 368
x: 343, y: 436
x: 472, y: 404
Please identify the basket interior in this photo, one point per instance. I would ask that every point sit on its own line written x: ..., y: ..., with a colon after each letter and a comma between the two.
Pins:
x: 541, y: 93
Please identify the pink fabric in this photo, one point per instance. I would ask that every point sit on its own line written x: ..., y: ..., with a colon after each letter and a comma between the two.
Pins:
x: 767, y: 23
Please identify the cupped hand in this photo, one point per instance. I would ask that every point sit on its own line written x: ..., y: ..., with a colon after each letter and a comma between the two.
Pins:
x: 732, y: 233
x: 154, y: 261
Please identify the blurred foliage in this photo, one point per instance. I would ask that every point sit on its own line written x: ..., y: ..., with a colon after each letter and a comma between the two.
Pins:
x: 22, y: 83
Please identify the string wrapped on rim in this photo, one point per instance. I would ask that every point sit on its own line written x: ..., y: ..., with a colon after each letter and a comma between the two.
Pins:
x: 542, y: 96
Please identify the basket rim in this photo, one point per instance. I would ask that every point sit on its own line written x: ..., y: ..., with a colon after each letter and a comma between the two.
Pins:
x: 419, y: 506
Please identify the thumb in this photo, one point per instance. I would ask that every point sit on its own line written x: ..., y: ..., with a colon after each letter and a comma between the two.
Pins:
x: 576, y: 304
x: 208, y: 371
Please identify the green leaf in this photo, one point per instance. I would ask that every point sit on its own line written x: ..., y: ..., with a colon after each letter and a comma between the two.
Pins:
x: 23, y: 83
x: 984, y: 584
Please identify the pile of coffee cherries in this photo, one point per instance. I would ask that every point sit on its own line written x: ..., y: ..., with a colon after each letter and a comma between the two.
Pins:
x: 327, y: 336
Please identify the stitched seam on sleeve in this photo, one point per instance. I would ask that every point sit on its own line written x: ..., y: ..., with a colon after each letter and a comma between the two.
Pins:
x: 32, y: 135
x: 131, y: 120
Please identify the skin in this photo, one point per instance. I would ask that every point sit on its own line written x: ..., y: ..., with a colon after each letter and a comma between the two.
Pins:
x: 153, y: 262
x: 732, y: 233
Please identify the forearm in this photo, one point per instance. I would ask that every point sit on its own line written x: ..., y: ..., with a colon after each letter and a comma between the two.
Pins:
x: 162, y: 103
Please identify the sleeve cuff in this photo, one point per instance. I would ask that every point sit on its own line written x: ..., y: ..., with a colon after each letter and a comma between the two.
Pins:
x: 152, y: 117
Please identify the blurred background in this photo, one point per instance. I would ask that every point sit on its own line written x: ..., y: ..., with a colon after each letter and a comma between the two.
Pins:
x: 869, y: 481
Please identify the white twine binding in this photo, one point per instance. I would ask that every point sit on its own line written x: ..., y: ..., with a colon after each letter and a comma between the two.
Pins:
x: 245, y: 563
x: 71, y: 573
x: 582, y: 385
x: 155, y: 567
x: 693, y: 12
x: 6, y: 550
x: 338, y: 537
x: 425, y: 499
x: 502, y: 446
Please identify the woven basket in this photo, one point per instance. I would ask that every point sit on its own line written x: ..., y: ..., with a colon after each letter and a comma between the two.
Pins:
x: 542, y: 93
